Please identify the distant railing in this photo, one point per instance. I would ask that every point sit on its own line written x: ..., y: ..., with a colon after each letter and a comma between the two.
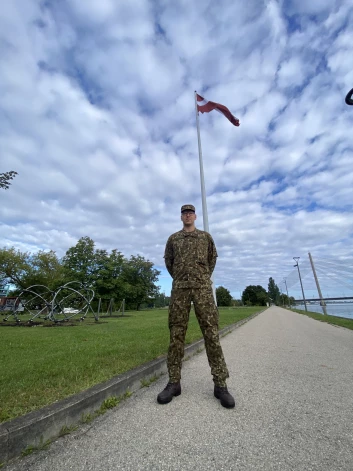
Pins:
x: 324, y: 299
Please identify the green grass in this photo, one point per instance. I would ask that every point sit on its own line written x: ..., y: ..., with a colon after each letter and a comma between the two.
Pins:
x: 40, y: 365
x: 32, y: 449
x: 342, y: 322
x: 66, y: 430
x: 146, y: 382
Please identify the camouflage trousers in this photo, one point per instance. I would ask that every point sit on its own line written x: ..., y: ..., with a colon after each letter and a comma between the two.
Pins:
x: 207, y: 316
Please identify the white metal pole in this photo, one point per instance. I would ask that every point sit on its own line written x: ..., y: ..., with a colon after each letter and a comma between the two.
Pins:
x: 202, y: 177
x: 322, y: 302
x: 203, y: 191
x: 300, y: 279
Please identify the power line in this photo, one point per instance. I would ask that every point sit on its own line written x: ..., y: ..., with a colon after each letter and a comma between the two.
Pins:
x: 331, y: 272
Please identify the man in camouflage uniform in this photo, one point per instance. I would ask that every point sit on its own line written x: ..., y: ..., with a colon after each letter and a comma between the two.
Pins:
x: 190, y: 258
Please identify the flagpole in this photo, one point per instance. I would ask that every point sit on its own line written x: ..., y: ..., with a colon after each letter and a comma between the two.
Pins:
x: 203, y: 191
x: 202, y: 177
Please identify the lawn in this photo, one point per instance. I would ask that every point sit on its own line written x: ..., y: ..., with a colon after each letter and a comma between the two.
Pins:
x: 341, y: 321
x: 40, y: 365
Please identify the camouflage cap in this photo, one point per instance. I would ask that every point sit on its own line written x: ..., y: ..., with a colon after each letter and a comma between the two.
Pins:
x: 188, y: 207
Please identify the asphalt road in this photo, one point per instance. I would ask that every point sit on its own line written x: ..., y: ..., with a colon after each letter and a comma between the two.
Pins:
x: 293, y: 384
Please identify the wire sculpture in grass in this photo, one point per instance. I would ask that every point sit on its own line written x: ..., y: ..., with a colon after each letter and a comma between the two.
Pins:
x: 72, y: 299
x: 34, y: 301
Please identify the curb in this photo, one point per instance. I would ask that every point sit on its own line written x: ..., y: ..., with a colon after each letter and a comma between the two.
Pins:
x: 37, y: 427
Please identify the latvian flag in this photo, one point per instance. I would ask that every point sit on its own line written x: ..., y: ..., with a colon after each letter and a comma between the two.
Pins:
x: 206, y: 106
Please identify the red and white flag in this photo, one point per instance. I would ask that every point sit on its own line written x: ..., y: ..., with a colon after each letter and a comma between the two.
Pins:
x: 206, y: 106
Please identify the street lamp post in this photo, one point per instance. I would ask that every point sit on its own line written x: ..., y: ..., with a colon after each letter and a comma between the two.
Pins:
x: 296, y: 259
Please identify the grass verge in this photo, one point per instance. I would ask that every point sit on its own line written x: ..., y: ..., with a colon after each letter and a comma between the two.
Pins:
x: 41, y: 365
x: 341, y: 321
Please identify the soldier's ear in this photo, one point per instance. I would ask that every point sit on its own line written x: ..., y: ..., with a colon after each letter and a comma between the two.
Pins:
x: 195, y: 216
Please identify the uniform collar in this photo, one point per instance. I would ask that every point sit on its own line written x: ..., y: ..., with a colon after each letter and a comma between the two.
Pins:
x: 189, y: 234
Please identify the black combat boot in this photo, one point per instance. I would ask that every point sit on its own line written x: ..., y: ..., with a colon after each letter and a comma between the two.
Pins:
x: 171, y: 390
x: 222, y: 393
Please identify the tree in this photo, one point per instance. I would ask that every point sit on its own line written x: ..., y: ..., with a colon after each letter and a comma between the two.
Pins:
x: 286, y: 301
x: 223, y: 296
x: 13, y: 266
x: 161, y: 300
x: 237, y: 302
x: 80, y: 262
x: 255, y: 296
x: 273, y: 291
x: 5, y: 179
x: 45, y: 269
x: 139, y: 278
x: 111, y: 275
x: 109, y: 283
x: 262, y: 298
x: 23, y: 269
x: 283, y: 300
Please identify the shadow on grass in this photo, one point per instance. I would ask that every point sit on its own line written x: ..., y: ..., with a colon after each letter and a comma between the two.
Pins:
x: 69, y: 323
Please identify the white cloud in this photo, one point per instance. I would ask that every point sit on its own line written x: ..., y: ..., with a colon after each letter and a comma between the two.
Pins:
x: 291, y: 73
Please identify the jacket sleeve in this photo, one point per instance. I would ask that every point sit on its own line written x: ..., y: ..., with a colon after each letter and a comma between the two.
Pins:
x: 169, y: 256
x: 212, y: 255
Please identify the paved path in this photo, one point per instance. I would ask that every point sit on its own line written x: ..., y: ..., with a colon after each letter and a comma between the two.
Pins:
x: 293, y: 383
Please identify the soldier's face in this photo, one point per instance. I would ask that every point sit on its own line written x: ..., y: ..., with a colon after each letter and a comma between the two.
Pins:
x: 188, y: 217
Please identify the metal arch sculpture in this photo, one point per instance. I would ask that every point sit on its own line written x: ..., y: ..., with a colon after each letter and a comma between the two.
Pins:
x: 69, y: 300
x: 29, y: 298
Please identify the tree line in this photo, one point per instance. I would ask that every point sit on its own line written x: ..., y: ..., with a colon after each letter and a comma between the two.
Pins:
x: 110, y: 275
x: 255, y: 295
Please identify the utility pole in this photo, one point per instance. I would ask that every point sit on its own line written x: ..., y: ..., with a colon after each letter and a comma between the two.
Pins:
x: 282, y: 296
x: 296, y: 259
x: 285, y: 282
x: 322, y: 302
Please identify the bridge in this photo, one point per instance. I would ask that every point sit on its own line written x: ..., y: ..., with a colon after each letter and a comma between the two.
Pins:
x: 324, y: 299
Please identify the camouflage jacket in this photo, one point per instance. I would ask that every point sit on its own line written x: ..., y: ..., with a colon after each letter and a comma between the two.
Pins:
x: 190, y: 258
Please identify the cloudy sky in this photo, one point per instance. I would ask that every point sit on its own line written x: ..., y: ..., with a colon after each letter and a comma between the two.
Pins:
x: 97, y: 117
